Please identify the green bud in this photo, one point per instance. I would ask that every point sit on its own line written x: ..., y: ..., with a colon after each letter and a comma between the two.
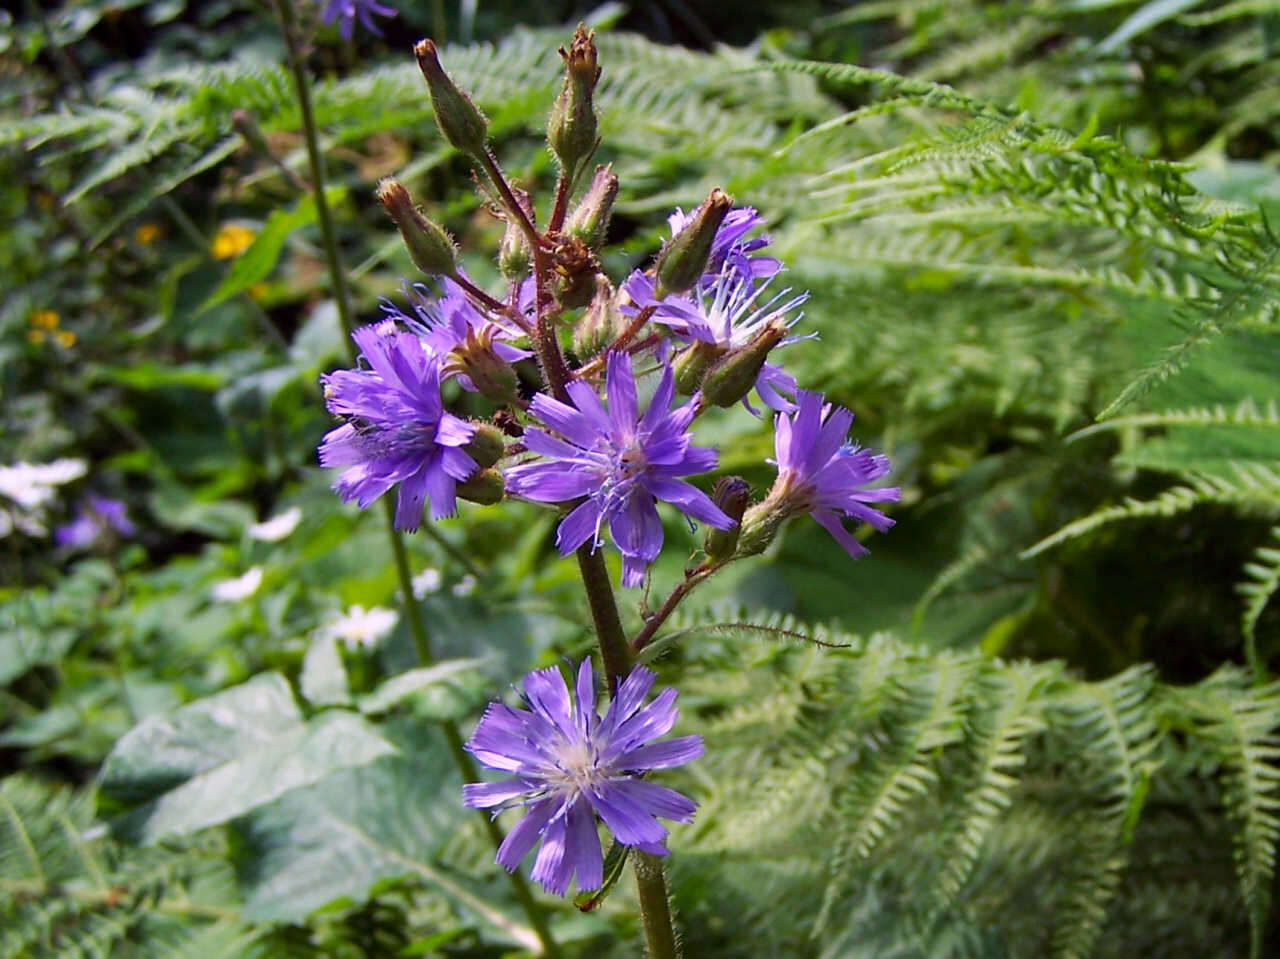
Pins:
x: 513, y: 253
x: 487, y: 446
x: 600, y: 324
x: 461, y: 122
x: 571, y: 128
x: 691, y: 363
x: 485, y: 487
x: 429, y: 245
x: 575, y: 268
x: 734, y: 374
x: 475, y: 358
x: 683, y: 260
x: 760, y: 524
x: 590, y: 219
x: 731, y: 495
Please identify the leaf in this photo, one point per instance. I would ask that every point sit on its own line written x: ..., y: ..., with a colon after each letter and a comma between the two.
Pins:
x: 1143, y: 19
x: 339, y: 838
x: 445, y: 691
x: 223, y: 756
x: 324, y: 675
x: 261, y: 257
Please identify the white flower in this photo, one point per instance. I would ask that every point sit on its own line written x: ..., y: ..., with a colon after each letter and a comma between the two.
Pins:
x: 361, y: 627
x: 465, y: 586
x: 428, y: 581
x: 31, y: 485
x: 278, y: 527
x: 242, y: 587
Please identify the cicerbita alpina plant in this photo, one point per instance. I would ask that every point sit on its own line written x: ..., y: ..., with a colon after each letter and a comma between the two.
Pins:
x: 601, y: 433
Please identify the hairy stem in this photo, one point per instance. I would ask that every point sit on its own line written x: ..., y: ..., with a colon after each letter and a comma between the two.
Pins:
x: 655, y: 908
x: 413, y: 614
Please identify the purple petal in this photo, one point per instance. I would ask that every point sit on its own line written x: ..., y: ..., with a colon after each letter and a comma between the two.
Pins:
x: 484, y: 795
x: 583, y: 853
x: 831, y: 523
x: 565, y: 420
x: 620, y: 385
x: 623, y: 812
x: 553, y: 870
x: 548, y: 695
x: 588, y: 720
x: 663, y: 755
x: 690, y: 500
x: 578, y: 527
x: 657, y: 800
x: 627, y: 700
x: 521, y: 839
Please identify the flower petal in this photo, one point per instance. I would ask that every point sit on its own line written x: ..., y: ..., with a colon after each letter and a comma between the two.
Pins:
x: 521, y: 839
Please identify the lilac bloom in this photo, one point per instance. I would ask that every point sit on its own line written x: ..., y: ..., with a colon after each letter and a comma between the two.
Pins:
x: 349, y: 10
x: 730, y: 254
x: 727, y: 315
x: 820, y: 472
x: 568, y: 766
x: 96, y: 517
x: 454, y: 330
x: 398, y: 430
x: 621, y: 461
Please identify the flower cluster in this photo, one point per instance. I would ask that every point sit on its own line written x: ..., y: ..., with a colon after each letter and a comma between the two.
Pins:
x: 567, y: 766
x: 603, y: 434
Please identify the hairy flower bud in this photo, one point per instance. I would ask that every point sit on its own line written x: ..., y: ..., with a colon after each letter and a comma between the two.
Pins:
x: 734, y: 374
x: 475, y: 357
x: 485, y: 487
x: 600, y: 324
x: 461, y: 122
x: 575, y: 269
x: 513, y: 253
x: 590, y: 219
x: 487, y: 446
x: 429, y: 245
x: 731, y: 494
x: 683, y: 260
x: 691, y: 365
x: 760, y: 524
x: 571, y: 128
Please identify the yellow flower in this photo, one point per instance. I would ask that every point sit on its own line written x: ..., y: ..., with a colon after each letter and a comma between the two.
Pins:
x: 35, y: 337
x: 65, y: 338
x: 231, y: 241
x: 146, y: 234
x: 44, y: 320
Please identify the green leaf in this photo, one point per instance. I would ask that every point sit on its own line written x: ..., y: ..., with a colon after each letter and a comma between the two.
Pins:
x: 260, y: 259
x: 1142, y: 20
x: 324, y: 675
x: 445, y: 691
x: 223, y: 756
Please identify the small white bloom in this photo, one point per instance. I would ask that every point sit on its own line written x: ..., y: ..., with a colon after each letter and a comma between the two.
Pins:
x: 428, y: 581
x: 465, y: 586
x: 242, y: 587
x: 361, y: 627
x: 278, y: 527
x: 31, y: 485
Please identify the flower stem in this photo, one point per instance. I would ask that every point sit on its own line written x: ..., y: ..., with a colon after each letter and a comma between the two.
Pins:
x: 659, y: 933
x: 417, y: 629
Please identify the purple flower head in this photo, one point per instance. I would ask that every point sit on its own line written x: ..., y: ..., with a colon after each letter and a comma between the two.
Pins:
x: 349, y: 10
x: 397, y: 429
x: 568, y: 766
x: 820, y: 472
x: 97, y: 516
x: 730, y: 254
x: 727, y: 315
x: 454, y: 330
x: 622, y: 461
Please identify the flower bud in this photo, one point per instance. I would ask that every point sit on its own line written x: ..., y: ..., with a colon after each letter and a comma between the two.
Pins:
x: 571, y: 128
x: 487, y: 446
x: 590, y: 220
x: 430, y: 247
x: 760, y: 524
x: 485, y: 487
x: 462, y: 124
x: 734, y: 374
x: 513, y: 253
x: 475, y: 358
x: 691, y: 363
x: 575, y: 269
x: 731, y: 495
x: 600, y: 325
x: 683, y: 260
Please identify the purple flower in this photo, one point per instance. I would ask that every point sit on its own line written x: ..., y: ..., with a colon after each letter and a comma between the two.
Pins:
x: 621, y: 461
x: 398, y: 431
x: 727, y: 315
x: 348, y: 10
x: 470, y: 346
x: 819, y: 472
x: 730, y: 254
x: 97, y: 516
x: 568, y: 766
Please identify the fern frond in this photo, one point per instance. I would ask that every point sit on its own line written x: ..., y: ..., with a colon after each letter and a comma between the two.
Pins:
x: 1263, y: 578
